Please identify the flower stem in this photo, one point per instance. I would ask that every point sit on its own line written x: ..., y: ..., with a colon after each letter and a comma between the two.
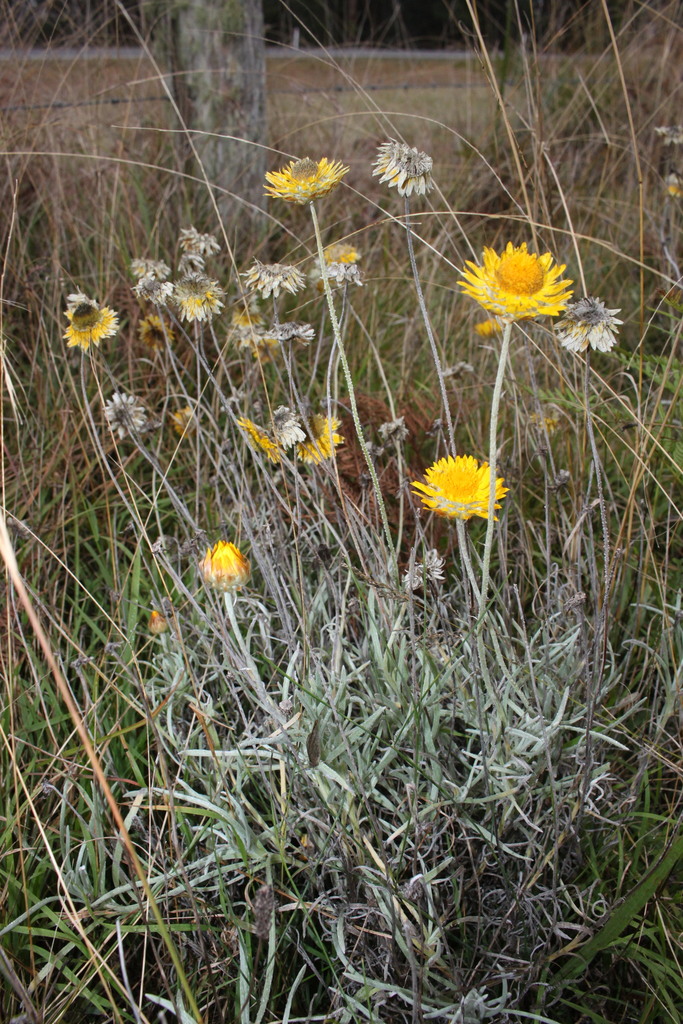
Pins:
x: 493, y: 431
x: 336, y: 330
x: 598, y: 475
x: 600, y: 633
x: 430, y: 333
x: 250, y: 668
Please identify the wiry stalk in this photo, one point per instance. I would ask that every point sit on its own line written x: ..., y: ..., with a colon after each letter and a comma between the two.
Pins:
x: 493, y: 445
x: 350, y: 388
x: 430, y: 333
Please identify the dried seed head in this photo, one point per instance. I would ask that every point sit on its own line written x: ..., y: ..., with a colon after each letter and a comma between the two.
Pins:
x: 286, y: 427
x: 394, y: 430
x: 264, y: 908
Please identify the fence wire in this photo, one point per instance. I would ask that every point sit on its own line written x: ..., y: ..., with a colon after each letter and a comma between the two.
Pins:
x: 113, y: 100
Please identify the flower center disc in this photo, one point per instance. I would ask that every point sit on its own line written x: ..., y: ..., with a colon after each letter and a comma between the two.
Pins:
x: 85, y: 316
x: 304, y: 169
x: 520, y: 273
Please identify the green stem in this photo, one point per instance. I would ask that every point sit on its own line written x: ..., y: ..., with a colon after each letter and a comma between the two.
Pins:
x: 493, y: 431
x: 336, y: 330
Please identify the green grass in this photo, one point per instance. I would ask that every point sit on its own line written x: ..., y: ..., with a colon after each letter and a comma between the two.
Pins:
x: 457, y: 821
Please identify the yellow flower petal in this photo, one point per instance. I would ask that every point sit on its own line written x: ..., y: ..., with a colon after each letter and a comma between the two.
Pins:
x: 517, y: 284
x: 459, y: 488
x: 89, y: 324
x: 324, y: 439
x: 224, y: 567
x: 305, y: 180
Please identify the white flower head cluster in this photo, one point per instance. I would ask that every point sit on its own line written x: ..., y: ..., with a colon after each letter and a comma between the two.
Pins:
x: 429, y: 571
x: 152, y: 289
x: 156, y: 269
x: 193, y: 241
x: 405, y: 168
x: 124, y: 414
x: 586, y: 323
x: 293, y: 330
x: 394, y: 430
x: 286, y: 427
x: 671, y: 134
x: 271, y: 278
x: 344, y: 273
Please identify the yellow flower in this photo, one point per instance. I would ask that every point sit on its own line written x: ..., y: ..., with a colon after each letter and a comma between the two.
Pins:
x: 341, y: 252
x: 304, y: 180
x: 258, y: 342
x: 488, y: 328
x: 198, y: 297
x: 248, y: 331
x: 157, y: 623
x: 547, y: 423
x: 224, y: 567
x: 324, y: 439
x: 259, y: 439
x: 459, y: 488
x: 245, y: 315
x: 517, y: 284
x: 674, y: 184
x: 155, y: 332
x: 88, y: 322
x: 183, y: 420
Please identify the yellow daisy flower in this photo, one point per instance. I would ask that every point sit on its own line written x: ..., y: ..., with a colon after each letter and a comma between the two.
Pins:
x: 324, y: 439
x: 488, y: 328
x: 342, y: 252
x: 89, y: 323
x: 157, y: 623
x: 154, y: 332
x: 198, y: 297
x: 224, y: 567
x: 258, y: 342
x: 259, y: 439
x: 183, y: 420
x: 246, y: 316
x: 517, y: 284
x: 304, y: 180
x: 459, y: 488
x: 544, y: 423
x: 674, y: 184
